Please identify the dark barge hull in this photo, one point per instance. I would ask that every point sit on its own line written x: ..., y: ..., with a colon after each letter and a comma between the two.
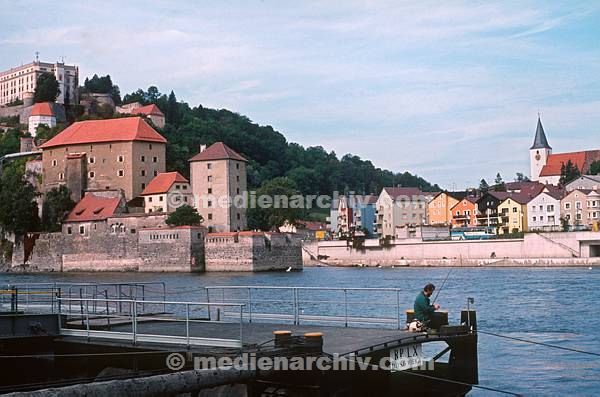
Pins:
x: 71, y: 360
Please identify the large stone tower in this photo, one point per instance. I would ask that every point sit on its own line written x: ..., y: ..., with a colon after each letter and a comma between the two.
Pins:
x: 539, y: 152
x: 218, y: 178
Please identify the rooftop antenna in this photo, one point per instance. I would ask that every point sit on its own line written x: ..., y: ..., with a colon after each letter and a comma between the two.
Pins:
x: 37, y: 57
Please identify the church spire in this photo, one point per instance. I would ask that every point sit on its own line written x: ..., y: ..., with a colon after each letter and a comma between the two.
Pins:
x: 540, y: 141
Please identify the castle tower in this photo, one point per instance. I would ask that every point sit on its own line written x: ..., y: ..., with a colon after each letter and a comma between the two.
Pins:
x: 539, y: 152
x: 218, y: 176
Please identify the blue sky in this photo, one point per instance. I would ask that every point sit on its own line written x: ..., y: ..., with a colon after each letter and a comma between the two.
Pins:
x: 448, y: 90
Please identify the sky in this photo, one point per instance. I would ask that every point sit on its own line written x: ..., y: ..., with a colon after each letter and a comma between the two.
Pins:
x: 448, y: 90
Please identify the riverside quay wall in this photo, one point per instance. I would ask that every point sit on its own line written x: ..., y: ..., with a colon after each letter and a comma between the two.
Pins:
x: 145, y: 244
x: 252, y: 251
x: 534, y: 249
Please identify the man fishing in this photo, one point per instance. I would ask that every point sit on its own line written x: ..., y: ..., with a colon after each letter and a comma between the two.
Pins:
x: 423, y: 307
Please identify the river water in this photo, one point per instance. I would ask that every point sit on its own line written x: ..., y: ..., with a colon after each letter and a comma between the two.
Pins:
x: 559, y: 306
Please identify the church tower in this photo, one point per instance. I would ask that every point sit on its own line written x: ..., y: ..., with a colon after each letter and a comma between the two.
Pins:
x: 539, y: 152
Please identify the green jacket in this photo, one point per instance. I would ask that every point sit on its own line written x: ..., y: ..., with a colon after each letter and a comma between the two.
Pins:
x: 423, y: 308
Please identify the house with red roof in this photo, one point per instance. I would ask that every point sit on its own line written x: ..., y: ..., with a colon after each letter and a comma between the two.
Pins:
x: 124, y: 153
x: 152, y: 112
x: 41, y: 113
x: 218, y: 178
x: 93, y: 210
x: 167, y: 192
x: 546, y: 166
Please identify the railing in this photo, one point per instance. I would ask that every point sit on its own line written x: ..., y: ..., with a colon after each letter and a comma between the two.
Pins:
x: 318, y: 305
x: 90, y: 324
x: 42, y: 297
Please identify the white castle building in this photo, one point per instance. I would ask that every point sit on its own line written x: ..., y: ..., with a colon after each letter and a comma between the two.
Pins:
x: 20, y: 82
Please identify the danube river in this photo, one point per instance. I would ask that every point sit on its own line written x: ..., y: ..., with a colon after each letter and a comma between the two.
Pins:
x: 558, y: 306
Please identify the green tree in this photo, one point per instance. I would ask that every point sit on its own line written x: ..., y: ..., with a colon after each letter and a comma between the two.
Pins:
x: 499, y: 185
x: 57, y: 205
x: 18, y: 209
x: 184, y: 216
x: 103, y: 85
x: 595, y: 168
x: 282, y: 203
x: 269, y: 154
x: 483, y: 186
x: 522, y: 177
x: 569, y: 172
x: 10, y: 141
x: 46, y: 89
x: 43, y: 132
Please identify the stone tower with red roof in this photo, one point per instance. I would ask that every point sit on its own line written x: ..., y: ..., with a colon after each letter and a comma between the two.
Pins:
x: 218, y: 178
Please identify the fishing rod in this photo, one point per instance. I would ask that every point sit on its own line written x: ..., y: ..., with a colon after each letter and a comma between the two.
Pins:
x: 444, y: 282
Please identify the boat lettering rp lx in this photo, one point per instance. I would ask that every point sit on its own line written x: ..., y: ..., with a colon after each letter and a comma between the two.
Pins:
x: 238, y: 340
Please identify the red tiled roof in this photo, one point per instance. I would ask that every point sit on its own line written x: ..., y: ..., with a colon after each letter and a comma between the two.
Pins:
x: 396, y: 192
x: 149, y: 110
x: 313, y: 225
x: 555, y: 162
x: 218, y: 151
x: 93, y: 208
x: 163, y: 182
x: 42, y: 109
x: 112, y: 130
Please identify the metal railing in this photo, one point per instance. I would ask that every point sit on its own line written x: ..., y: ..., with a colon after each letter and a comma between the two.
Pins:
x: 318, y: 305
x: 42, y: 297
x: 92, y: 324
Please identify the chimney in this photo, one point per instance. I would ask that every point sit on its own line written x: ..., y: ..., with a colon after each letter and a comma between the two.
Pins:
x: 202, y: 148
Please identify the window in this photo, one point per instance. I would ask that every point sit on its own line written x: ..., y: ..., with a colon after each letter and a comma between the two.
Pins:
x: 209, y: 166
x: 567, y: 206
x: 237, y: 178
x: 120, y: 159
x: 534, y: 218
x: 578, y: 205
x: 82, y: 229
x: 578, y: 217
x: 210, y: 178
x: 551, y: 218
x: 541, y: 218
x: 92, y: 160
x: 69, y: 230
x: 155, y: 159
x: 549, y: 208
x: 160, y: 198
x: 239, y: 217
x: 149, y: 199
x: 150, y: 146
x: 132, y: 231
x: 143, y: 159
x: 184, y: 187
x: 92, y: 174
x: 61, y: 176
x: 185, y: 198
x: 514, y: 209
x: 209, y: 190
x: 54, y: 163
x: 178, y: 187
x: 209, y: 217
x: 237, y: 191
x: 237, y: 166
x: 143, y: 186
x: 155, y: 173
x: 143, y: 172
x: 121, y: 173
x: 209, y: 203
